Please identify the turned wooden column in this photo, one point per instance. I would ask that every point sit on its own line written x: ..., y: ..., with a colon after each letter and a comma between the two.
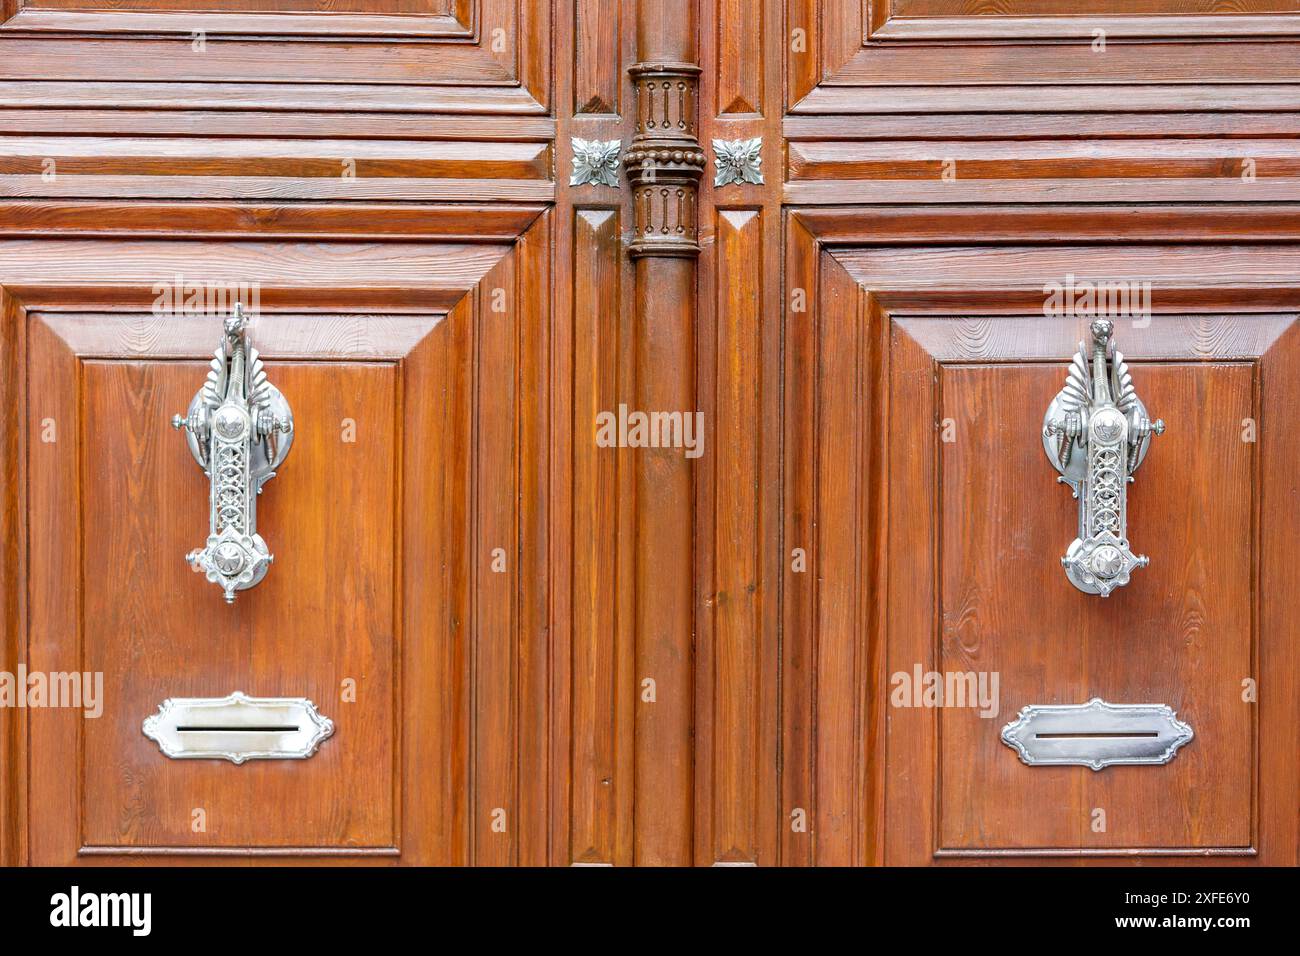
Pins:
x: 664, y: 164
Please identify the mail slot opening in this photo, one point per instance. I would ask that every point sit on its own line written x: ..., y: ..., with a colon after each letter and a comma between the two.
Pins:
x: 1080, y: 735
x: 238, y: 728
x: 1096, y: 734
x: 289, y: 729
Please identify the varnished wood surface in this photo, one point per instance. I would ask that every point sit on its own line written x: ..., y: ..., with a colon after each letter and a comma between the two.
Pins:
x: 390, y: 579
x: 665, y: 596
x: 319, y: 621
x: 965, y: 536
x: 1181, y: 633
x: 516, y: 695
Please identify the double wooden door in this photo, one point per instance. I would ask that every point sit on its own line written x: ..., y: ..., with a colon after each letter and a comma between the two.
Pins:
x: 834, y: 232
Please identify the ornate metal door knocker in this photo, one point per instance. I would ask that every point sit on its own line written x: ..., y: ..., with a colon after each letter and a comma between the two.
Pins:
x: 239, y: 429
x: 1096, y: 434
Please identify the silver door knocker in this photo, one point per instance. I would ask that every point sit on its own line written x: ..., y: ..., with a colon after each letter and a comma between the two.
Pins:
x: 1096, y: 433
x: 239, y: 429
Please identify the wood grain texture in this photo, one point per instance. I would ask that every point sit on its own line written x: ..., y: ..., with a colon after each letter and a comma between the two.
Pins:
x: 133, y: 169
x: 495, y: 224
x: 1053, y: 19
x: 13, y: 604
x: 362, y: 122
x: 316, y: 623
x: 799, y: 556
x: 748, y: 680
x: 736, y: 699
x: 264, y: 96
x: 1191, y: 619
x: 146, y: 16
x: 281, y: 158
x: 597, y: 57
x: 739, y: 52
x: 826, y: 538
x: 665, y: 580
x: 1119, y: 170
x: 594, y: 685
x: 664, y: 341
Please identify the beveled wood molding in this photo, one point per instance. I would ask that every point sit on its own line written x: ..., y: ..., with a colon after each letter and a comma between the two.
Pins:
x: 484, y: 56
x: 1147, y: 170
x: 215, y: 168
x: 103, y: 218
x: 887, y: 27
x: 868, y: 58
x: 855, y: 226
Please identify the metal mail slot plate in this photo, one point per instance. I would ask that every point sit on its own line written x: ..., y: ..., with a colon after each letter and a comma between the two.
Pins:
x: 1096, y: 734
x: 238, y: 728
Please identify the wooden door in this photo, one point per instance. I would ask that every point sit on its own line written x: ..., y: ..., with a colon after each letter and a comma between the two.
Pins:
x: 877, y: 301
x: 826, y: 227
x: 381, y: 176
x: 415, y: 462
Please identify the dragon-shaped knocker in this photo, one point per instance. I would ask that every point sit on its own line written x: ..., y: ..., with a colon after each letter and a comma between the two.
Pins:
x: 1096, y: 433
x: 239, y: 429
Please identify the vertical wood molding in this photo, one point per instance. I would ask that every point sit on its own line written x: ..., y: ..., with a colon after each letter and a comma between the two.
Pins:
x: 597, y: 60
x: 738, y: 54
x: 598, y: 698
x: 664, y: 166
x: 12, y: 528
x: 736, y: 700
x: 593, y: 672
x: 742, y: 697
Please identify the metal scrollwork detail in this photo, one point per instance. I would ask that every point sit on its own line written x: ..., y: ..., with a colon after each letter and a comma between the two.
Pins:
x: 738, y: 161
x: 595, y: 162
x: 1096, y: 433
x: 239, y: 429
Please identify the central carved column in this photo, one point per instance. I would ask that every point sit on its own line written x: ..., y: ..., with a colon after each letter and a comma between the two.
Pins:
x: 664, y: 164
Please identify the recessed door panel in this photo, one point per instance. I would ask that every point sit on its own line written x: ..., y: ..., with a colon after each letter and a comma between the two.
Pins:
x: 320, y: 623
x: 1180, y: 632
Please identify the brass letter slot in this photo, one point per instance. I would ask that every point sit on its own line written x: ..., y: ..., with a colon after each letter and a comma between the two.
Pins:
x: 238, y: 728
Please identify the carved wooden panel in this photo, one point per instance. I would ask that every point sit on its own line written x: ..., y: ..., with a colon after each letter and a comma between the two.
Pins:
x: 456, y: 56
x: 425, y: 568
x: 901, y: 56
x: 913, y: 467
